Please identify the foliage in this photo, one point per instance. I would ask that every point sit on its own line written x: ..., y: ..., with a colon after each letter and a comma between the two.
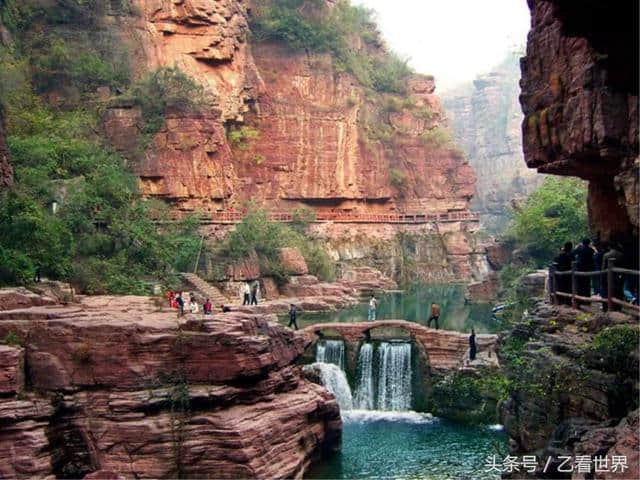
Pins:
x: 11, y: 338
x: 398, y: 177
x: 256, y: 233
x: 552, y: 215
x: 302, y: 218
x: 437, y: 136
x: 612, y: 348
x: 103, y: 237
x: 243, y: 136
x: 305, y: 25
x: 167, y: 89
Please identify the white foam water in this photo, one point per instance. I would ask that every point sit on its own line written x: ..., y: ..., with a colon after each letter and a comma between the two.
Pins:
x: 371, y: 416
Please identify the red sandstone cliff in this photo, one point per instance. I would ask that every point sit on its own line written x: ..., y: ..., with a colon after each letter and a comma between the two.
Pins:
x: 580, y: 100
x: 116, y: 385
x: 318, y: 128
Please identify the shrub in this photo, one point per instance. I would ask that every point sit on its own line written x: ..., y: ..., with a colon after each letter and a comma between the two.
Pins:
x: 256, y: 233
x: 166, y: 89
x: 398, y: 177
x: 612, y: 348
x: 437, y: 137
x: 308, y: 25
x: 552, y: 215
x: 243, y: 137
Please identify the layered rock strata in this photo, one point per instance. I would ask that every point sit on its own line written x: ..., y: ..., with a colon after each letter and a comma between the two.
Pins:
x: 570, y: 396
x: 580, y: 100
x: 117, y: 384
x: 486, y: 119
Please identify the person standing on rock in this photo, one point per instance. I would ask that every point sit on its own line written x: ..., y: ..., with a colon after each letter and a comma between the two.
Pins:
x: 293, y: 317
x: 255, y: 291
x: 180, y: 302
x: 246, y: 294
x: 193, y: 304
x: 170, y: 296
x: 435, y: 315
x: 207, y: 307
x: 584, y: 263
x: 472, y: 345
x: 373, y: 305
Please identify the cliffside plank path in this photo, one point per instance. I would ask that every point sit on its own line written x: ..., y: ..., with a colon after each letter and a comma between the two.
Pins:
x: 231, y: 217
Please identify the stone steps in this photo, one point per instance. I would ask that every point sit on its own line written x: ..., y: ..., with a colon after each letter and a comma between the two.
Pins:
x: 205, y: 289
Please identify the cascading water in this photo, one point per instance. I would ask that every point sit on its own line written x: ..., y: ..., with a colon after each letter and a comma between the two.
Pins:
x: 384, y: 378
x: 335, y: 380
x: 364, y: 390
x: 331, y: 351
x: 394, y: 376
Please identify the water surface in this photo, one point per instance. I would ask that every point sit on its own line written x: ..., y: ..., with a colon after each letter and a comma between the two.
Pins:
x: 410, y: 445
x: 414, y: 305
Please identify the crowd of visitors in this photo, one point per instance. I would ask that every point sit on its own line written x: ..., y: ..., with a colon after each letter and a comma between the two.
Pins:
x: 595, y: 257
x: 250, y: 293
x: 189, y: 303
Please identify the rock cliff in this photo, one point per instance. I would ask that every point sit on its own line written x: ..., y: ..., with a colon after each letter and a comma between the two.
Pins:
x: 580, y: 100
x: 322, y: 138
x: 574, y: 388
x: 486, y: 119
x: 118, y: 385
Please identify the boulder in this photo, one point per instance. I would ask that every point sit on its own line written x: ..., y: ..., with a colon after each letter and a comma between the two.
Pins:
x: 293, y: 261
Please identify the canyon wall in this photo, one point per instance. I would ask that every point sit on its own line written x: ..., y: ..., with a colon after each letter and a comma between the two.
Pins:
x: 320, y: 139
x: 580, y: 100
x: 486, y: 119
x: 324, y: 140
x: 115, y: 386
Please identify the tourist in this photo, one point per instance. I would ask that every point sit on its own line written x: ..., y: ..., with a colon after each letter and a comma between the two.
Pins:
x: 225, y: 309
x: 373, y: 305
x: 207, y: 307
x: 584, y: 263
x: 614, y: 254
x: 293, y: 317
x: 246, y: 293
x: 37, y: 275
x: 255, y: 292
x: 180, y: 303
x: 435, y: 315
x: 563, y: 264
x: 193, y: 304
x: 170, y: 296
x: 472, y: 345
x: 597, y: 265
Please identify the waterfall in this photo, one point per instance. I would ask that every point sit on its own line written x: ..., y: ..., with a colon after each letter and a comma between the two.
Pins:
x: 394, y: 376
x: 331, y: 351
x: 334, y: 379
x: 364, y: 390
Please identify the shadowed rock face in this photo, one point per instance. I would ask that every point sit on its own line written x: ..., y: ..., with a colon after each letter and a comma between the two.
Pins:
x: 580, y: 100
x: 115, y: 384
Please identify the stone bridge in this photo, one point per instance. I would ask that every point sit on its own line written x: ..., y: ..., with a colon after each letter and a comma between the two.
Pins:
x: 445, y: 350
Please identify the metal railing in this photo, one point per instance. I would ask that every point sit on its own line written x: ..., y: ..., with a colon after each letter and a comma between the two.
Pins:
x: 613, y: 282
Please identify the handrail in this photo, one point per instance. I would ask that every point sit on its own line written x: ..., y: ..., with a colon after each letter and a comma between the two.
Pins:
x: 612, y: 281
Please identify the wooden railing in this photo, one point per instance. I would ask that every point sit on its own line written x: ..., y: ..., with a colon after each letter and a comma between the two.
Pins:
x: 613, y: 283
x: 343, y: 217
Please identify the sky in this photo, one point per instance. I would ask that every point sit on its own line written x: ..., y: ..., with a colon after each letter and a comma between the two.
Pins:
x: 454, y: 40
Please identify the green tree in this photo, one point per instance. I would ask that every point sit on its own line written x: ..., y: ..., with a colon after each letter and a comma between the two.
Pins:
x: 552, y: 215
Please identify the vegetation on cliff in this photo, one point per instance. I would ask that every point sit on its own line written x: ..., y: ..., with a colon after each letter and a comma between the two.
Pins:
x: 346, y: 31
x: 552, y: 215
x: 256, y: 233
x: 101, y: 235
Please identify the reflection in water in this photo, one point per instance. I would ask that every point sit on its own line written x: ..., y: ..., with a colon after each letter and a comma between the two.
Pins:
x: 414, y: 305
